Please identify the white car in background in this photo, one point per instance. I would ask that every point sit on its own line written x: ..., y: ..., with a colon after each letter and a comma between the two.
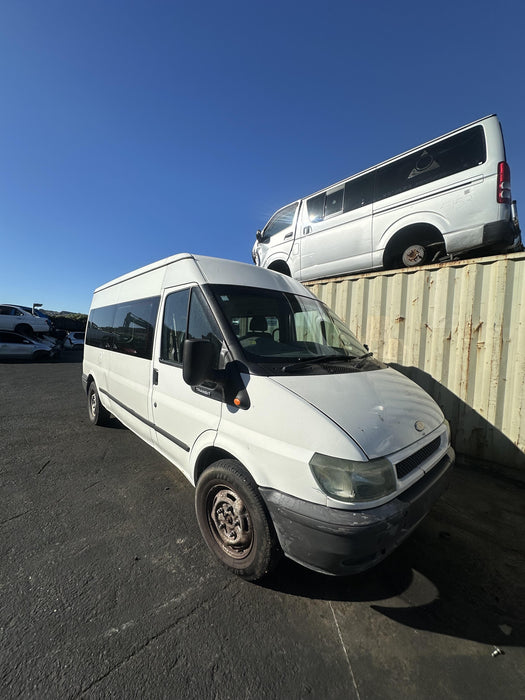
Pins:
x: 74, y: 340
x: 16, y: 318
x: 14, y: 346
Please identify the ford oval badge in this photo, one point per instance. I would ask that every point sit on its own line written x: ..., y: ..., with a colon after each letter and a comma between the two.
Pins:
x: 419, y: 426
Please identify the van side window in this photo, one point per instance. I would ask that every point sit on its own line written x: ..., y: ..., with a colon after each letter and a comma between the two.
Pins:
x: 134, y: 326
x: 174, y: 326
x: 186, y: 315
x: 447, y: 157
x: 280, y: 221
x: 202, y: 325
x: 127, y: 327
x: 359, y: 192
x: 334, y: 202
x: 316, y: 207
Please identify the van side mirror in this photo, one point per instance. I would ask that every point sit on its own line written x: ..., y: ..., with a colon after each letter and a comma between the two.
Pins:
x: 259, y: 236
x: 197, y: 361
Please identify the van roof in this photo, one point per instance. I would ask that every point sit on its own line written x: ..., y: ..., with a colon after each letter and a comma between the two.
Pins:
x: 216, y: 271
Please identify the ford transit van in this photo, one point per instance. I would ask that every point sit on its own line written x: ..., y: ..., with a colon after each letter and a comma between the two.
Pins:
x: 297, y: 439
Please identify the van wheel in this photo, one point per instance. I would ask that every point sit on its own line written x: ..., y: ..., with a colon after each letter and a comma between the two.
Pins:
x: 234, y: 522
x: 414, y: 255
x: 98, y: 415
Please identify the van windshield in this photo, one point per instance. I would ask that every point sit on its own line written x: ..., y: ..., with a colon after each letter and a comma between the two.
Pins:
x: 289, y: 330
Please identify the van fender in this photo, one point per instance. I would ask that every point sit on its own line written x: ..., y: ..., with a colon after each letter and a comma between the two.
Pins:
x: 260, y: 463
x: 420, y: 218
x: 205, y: 443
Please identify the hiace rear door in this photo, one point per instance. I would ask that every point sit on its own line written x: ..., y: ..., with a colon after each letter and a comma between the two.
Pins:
x: 335, y: 231
x: 183, y: 415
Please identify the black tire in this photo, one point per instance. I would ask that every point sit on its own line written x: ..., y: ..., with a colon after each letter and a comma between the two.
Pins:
x: 234, y: 522
x: 98, y: 415
x: 24, y: 329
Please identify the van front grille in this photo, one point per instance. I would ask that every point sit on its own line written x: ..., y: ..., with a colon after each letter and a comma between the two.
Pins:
x: 408, y: 465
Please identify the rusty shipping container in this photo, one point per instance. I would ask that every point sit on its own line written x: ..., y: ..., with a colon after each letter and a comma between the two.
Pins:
x: 458, y: 330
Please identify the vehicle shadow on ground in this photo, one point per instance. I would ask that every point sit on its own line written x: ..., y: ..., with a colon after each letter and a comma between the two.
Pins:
x: 460, y: 573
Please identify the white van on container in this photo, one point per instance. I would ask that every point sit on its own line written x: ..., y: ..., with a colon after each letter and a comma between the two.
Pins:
x: 439, y: 200
x: 298, y: 441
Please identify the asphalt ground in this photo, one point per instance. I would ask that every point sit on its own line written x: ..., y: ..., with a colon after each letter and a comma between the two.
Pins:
x: 107, y: 589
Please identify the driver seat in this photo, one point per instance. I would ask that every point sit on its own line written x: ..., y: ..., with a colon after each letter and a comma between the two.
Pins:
x: 258, y: 324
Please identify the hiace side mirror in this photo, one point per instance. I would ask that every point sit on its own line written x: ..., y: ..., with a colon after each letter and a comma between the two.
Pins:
x: 197, y: 361
x: 259, y: 236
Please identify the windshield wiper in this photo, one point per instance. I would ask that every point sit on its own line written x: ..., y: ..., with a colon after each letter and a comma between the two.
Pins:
x: 320, y: 359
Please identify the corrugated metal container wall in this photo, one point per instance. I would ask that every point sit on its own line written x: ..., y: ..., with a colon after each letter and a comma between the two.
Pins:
x: 458, y: 330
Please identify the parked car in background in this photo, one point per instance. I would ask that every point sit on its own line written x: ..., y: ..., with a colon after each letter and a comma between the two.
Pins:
x: 15, y: 346
x: 16, y: 318
x: 74, y: 340
x: 41, y: 314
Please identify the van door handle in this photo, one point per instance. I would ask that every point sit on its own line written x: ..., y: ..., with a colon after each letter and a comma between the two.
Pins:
x: 307, y: 230
x: 155, y: 377
x: 288, y: 235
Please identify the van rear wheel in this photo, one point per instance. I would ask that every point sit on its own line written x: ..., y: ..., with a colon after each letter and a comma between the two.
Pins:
x: 414, y: 255
x: 98, y: 415
x: 234, y: 522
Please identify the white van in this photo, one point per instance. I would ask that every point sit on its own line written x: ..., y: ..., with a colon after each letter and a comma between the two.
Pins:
x: 442, y: 199
x: 297, y: 439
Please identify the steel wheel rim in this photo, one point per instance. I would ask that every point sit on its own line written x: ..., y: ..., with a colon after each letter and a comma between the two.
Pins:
x: 229, y: 522
x: 413, y: 255
x: 93, y: 404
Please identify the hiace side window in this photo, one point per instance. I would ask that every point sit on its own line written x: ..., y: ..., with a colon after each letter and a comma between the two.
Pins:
x: 448, y: 157
x: 187, y: 316
x: 279, y: 221
x: 355, y: 194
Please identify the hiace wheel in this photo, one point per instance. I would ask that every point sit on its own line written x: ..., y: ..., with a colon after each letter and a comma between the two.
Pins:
x: 414, y: 255
x: 233, y: 520
x: 98, y: 415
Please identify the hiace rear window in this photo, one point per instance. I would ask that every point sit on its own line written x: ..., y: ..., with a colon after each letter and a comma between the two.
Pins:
x: 127, y: 328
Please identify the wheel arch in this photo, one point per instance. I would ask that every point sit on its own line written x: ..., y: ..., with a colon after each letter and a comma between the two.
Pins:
x: 423, y: 233
x: 280, y: 266
x: 208, y: 456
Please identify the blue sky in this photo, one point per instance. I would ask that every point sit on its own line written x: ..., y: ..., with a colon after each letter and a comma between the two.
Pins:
x: 131, y: 130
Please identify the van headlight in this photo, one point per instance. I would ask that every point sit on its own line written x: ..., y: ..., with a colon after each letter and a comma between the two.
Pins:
x: 352, y: 482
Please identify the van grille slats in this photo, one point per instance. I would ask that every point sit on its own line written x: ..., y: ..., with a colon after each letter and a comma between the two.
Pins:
x: 408, y: 465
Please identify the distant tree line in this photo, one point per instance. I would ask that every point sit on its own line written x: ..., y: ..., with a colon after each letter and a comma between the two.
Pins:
x: 67, y: 321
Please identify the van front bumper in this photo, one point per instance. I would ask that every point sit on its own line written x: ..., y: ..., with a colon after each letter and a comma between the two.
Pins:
x: 341, y: 542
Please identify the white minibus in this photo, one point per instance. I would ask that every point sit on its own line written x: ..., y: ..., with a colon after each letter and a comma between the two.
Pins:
x: 438, y: 201
x: 298, y: 441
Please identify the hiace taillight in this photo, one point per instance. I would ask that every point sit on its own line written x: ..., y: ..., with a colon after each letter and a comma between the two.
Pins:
x: 504, y: 196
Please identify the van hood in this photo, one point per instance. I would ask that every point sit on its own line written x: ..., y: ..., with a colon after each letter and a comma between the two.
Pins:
x: 378, y: 409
